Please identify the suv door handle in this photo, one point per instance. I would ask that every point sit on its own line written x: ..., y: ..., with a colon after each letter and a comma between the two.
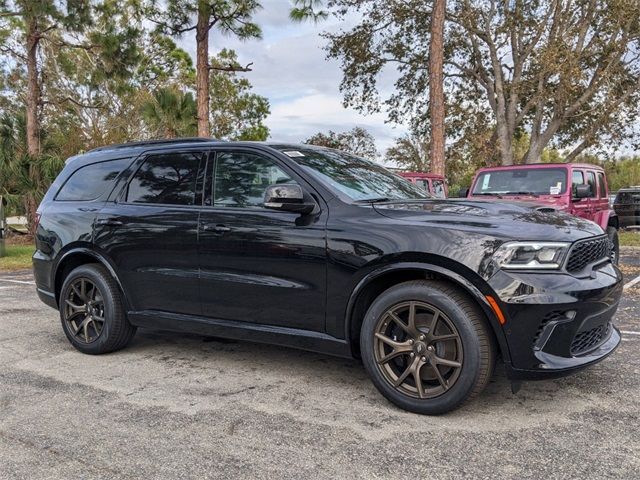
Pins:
x: 216, y: 228
x: 109, y: 222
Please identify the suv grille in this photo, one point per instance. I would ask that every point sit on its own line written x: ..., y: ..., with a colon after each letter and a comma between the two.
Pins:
x: 588, y: 339
x: 588, y: 251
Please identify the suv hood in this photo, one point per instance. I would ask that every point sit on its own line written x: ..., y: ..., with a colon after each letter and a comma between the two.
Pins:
x: 554, y: 202
x: 508, y: 220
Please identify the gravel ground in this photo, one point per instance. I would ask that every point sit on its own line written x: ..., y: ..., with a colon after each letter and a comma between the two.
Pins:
x: 184, y: 406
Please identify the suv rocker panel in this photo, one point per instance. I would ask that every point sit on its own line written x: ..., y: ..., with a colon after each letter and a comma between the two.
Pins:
x: 237, y: 330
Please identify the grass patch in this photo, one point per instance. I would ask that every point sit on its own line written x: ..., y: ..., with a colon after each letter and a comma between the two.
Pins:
x: 18, y: 257
x: 629, y: 238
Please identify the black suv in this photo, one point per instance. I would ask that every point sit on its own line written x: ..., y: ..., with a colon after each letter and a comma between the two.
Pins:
x: 627, y: 206
x: 317, y: 249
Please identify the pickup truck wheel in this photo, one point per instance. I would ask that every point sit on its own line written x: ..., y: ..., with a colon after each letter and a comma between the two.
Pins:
x: 426, y: 346
x: 92, y: 311
x: 612, y: 232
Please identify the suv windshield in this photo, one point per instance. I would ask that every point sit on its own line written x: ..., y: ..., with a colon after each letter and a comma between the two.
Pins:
x: 354, y: 177
x: 522, y: 181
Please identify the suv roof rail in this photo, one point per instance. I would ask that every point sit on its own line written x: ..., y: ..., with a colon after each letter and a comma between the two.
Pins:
x: 166, y: 141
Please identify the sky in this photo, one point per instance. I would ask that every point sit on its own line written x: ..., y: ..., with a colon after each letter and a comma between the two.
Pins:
x: 290, y: 69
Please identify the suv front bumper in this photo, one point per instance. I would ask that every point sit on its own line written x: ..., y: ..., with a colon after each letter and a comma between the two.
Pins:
x: 558, y: 323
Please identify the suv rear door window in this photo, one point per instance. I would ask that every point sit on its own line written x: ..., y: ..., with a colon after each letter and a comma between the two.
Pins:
x: 438, y: 188
x: 166, y: 179
x: 601, y: 185
x: 241, y: 179
x: 91, y: 181
x: 591, y: 180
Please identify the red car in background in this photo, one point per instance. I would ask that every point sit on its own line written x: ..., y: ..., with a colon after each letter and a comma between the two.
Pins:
x: 435, y: 184
x: 576, y: 188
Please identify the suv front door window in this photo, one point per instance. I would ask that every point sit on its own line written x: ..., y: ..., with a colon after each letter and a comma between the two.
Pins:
x: 256, y: 264
x: 241, y: 179
x: 577, y: 178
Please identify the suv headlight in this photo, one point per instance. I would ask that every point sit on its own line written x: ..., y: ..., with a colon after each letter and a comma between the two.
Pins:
x: 531, y: 255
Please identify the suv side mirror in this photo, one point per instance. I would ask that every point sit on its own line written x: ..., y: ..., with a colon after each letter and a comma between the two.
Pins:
x: 287, y: 198
x: 463, y: 193
x: 583, y: 191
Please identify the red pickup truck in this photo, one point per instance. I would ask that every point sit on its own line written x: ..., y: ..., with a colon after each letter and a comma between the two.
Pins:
x: 577, y: 188
x: 435, y: 184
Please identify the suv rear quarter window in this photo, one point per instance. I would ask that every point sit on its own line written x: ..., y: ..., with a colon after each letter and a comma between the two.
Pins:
x: 91, y: 181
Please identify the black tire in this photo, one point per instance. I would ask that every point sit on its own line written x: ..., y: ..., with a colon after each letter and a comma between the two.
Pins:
x: 478, y: 345
x: 612, y: 233
x: 116, y: 331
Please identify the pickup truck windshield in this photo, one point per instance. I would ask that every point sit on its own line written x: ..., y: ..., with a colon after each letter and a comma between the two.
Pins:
x: 354, y: 177
x: 521, y: 181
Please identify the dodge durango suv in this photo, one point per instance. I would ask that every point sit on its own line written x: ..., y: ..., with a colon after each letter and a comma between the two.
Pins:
x: 317, y: 249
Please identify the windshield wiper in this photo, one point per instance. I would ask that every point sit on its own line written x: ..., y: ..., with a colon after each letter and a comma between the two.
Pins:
x: 373, y: 200
x: 489, y: 194
x: 522, y: 193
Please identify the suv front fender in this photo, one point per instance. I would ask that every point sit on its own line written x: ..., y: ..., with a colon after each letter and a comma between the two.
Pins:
x: 606, y: 218
x: 470, y: 288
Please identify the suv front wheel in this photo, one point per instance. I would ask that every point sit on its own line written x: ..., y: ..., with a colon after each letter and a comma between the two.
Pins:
x: 426, y: 346
x: 92, y: 311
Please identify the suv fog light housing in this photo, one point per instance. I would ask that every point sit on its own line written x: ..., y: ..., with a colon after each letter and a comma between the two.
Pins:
x: 531, y: 255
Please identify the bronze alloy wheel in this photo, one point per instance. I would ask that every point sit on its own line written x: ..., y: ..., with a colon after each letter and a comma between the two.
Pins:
x: 84, y: 311
x: 418, y: 349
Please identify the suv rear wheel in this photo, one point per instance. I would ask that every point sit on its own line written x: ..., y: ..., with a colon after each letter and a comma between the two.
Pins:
x: 427, y: 347
x: 92, y: 311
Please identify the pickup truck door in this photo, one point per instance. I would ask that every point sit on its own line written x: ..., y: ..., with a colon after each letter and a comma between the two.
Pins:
x: 581, y: 206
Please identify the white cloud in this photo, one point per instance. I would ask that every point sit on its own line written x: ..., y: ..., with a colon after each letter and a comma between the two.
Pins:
x: 290, y: 69
x: 300, y: 118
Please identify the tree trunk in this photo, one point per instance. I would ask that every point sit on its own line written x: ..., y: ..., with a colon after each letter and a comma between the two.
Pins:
x: 33, y: 89
x: 534, y: 154
x: 202, y: 71
x: 436, y: 87
x: 505, y: 140
x: 31, y: 209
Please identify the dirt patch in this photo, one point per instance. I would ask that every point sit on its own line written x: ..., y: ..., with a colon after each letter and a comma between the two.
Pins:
x: 630, y: 271
x: 17, y: 239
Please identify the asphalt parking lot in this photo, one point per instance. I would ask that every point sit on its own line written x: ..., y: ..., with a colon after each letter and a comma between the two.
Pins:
x: 184, y: 406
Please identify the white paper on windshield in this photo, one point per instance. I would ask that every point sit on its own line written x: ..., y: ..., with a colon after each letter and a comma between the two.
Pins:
x: 555, y: 190
x: 485, y: 181
x: 293, y: 153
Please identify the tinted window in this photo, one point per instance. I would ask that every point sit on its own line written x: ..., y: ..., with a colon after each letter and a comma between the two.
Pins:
x: 601, y: 185
x: 241, y: 178
x: 591, y: 180
x: 167, y: 179
x: 353, y: 177
x: 576, y: 179
x: 91, y: 181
